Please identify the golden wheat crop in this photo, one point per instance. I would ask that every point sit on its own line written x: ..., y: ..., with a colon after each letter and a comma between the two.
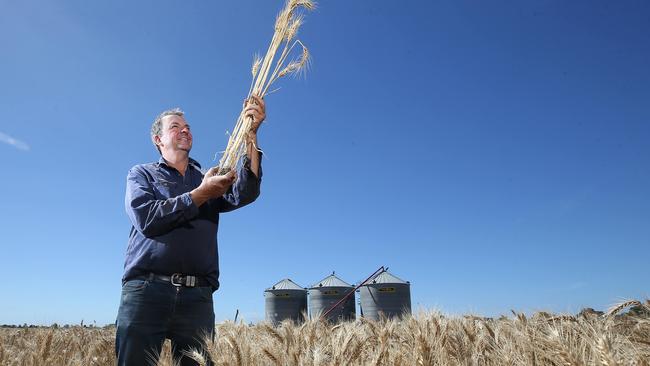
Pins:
x: 428, y: 338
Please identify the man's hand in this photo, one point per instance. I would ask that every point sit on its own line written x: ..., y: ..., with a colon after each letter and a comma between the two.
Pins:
x: 254, y: 107
x: 212, y: 186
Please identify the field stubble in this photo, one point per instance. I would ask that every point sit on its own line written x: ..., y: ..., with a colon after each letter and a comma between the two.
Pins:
x: 428, y: 338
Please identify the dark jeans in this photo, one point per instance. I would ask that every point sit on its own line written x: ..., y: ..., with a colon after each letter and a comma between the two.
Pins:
x: 151, y: 311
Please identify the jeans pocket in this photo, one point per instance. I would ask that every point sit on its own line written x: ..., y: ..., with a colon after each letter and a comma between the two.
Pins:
x: 134, y: 285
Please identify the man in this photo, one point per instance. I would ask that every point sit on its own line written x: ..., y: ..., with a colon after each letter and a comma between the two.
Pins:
x: 171, y: 267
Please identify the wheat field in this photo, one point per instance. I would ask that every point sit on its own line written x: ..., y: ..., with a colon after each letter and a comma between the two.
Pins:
x: 427, y: 338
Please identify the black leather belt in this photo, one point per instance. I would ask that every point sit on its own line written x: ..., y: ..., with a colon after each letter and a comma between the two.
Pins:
x: 180, y: 280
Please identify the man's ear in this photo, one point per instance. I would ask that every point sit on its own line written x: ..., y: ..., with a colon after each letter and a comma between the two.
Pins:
x: 156, y: 140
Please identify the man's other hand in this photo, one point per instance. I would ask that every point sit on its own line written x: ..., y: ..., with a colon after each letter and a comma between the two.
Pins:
x: 255, y: 108
x: 212, y: 186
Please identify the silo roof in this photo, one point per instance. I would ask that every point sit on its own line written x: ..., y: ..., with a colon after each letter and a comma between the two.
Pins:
x: 386, y: 277
x: 285, y: 284
x: 331, y: 281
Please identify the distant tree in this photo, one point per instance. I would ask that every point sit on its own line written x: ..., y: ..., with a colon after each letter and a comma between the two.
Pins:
x: 589, y: 313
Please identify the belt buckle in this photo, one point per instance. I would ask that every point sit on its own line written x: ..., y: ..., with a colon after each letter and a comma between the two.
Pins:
x: 177, y: 277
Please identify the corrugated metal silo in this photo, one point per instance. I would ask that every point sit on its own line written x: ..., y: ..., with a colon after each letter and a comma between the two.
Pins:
x: 327, y: 292
x: 385, y: 294
x: 285, y: 300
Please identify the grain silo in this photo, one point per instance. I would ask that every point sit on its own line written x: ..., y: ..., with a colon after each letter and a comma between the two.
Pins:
x: 285, y: 300
x: 385, y: 294
x: 327, y: 292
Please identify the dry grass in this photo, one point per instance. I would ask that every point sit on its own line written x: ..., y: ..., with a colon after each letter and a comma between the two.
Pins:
x: 425, y: 339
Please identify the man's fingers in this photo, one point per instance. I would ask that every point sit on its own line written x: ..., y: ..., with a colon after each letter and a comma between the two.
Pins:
x: 255, y: 113
x: 212, y: 171
x: 254, y: 100
x: 229, y: 178
x: 253, y: 107
x: 257, y: 100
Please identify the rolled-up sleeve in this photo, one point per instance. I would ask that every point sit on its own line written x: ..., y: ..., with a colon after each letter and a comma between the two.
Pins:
x: 151, y: 216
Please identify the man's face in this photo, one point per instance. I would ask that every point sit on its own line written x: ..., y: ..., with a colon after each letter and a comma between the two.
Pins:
x: 175, y: 135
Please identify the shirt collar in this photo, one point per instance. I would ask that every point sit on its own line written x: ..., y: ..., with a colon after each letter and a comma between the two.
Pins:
x: 193, y: 163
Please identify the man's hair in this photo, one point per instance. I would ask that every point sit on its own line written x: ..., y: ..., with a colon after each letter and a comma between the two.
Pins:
x: 156, y: 127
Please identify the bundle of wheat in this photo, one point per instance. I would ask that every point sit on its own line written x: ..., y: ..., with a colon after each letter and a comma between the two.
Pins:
x: 287, y: 24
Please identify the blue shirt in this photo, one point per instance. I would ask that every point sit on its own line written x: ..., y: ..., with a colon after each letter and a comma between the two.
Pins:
x: 170, y: 234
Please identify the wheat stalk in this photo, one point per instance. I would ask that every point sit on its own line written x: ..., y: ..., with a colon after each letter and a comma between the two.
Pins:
x: 197, y: 356
x: 266, y: 71
x: 617, y: 308
x: 605, y: 351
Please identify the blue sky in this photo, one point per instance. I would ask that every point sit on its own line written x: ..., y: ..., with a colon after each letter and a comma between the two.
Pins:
x: 493, y: 153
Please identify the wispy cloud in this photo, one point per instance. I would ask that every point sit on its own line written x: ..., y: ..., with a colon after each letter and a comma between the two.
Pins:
x: 13, y: 142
